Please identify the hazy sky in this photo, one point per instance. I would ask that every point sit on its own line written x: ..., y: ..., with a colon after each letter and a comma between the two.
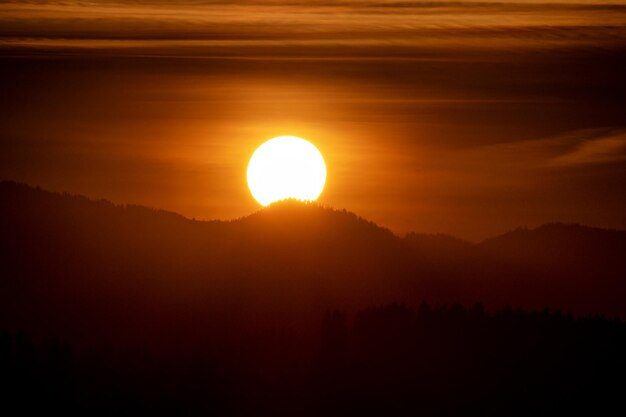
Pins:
x: 464, y: 117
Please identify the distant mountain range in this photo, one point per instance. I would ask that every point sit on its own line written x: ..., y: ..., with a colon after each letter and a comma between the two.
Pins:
x: 86, y: 269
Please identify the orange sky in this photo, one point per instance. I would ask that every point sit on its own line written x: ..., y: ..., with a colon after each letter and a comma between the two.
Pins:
x: 463, y: 117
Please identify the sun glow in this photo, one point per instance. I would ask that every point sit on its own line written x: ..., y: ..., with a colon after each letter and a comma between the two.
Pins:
x: 286, y: 167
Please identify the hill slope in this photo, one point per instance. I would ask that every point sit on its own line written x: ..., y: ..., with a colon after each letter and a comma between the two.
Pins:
x: 93, y: 269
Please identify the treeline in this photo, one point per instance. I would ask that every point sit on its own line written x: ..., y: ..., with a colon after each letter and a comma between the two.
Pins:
x: 388, y: 360
x: 452, y: 361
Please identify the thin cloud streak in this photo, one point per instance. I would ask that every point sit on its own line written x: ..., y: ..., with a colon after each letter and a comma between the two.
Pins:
x: 396, y: 22
x: 580, y: 147
x: 603, y: 150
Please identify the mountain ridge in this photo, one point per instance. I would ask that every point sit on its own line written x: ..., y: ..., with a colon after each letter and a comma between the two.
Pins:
x: 12, y: 186
x: 142, y: 272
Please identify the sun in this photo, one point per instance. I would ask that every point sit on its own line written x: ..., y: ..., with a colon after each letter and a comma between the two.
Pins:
x: 286, y: 167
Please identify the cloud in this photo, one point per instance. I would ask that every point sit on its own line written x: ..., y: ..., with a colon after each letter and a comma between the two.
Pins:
x: 571, y: 149
x: 531, y: 164
x: 602, y: 150
x: 402, y: 22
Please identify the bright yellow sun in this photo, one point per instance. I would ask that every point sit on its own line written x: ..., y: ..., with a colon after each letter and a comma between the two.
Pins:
x: 286, y: 167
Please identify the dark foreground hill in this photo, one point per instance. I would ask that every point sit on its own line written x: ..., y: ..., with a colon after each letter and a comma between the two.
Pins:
x: 112, y: 308
x: 66, y: 257
x: 389, y: 360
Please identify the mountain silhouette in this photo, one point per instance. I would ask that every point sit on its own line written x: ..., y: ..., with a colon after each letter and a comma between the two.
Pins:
x: 71, y: 264
x: 299, y: 309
